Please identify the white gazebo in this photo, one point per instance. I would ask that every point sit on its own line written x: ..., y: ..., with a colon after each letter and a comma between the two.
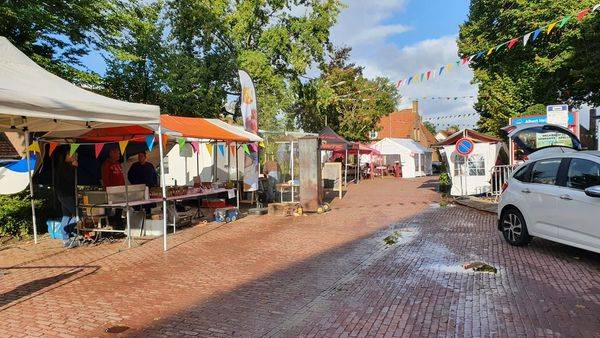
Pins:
x: 35, y: 100
x: 414, y: 158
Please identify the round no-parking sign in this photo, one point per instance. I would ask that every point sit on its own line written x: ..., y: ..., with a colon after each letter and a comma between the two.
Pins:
x: 464, y: 146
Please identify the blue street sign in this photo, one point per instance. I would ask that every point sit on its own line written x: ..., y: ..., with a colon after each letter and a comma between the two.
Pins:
x: 464, y: 146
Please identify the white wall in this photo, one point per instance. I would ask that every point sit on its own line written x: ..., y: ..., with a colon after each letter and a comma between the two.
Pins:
x: 463, y: 185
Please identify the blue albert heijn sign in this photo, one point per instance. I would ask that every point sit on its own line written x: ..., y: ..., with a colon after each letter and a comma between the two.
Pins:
x: 515, y: 121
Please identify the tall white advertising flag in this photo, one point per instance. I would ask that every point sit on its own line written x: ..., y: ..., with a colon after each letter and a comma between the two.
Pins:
x: 249, y: 115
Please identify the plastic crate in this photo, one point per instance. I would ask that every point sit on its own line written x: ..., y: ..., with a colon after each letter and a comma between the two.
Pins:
x: 226, y: 215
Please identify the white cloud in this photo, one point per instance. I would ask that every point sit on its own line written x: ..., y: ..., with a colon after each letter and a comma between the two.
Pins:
x: 363, y: 27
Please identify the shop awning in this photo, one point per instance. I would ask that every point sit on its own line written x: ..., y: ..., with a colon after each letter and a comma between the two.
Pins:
x: 209, y: 129
x: 34, y: 98
x: 330, y: 140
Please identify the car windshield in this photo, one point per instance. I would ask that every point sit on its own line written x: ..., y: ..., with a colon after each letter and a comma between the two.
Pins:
x: 539, y: 137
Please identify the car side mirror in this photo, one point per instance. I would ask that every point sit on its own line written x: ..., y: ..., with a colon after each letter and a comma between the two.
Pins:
x: 593, y: 191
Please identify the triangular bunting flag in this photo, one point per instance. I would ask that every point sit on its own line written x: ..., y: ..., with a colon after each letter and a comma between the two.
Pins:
x: 564, y: 21
x: 98, y: 148
x: 500, y: 46
x: 409, y: 80
x: 416, y: 78
x: 165, y: 140
x: 181, y: 142
x: 123, y: 146
x: 195, y: 146
x: 254, y: 147
x: 465, y: 60
x: 457, y: 63
x: 441, y: 70
x: 35, y: 147
x: 221, y: 148
x: 490, y: 51
x: 209, y: 148
x: 422, y: 77
x: 428, y: 74
x: 232, y: 149
x: 596, y: 7
x: 262, y: 144
x: 52, y: 148
x: 472, y: 57
x: 246, y: 150
x: 526, y: 38
x: 73, y: 148
x: 399, y: 84
x: 150, y: 142
x: 536, y: 33
x: 582, y: 14
x: 480, y: 55
x: 551, y: 27
x: 512, y: 43
x: 448, y: 67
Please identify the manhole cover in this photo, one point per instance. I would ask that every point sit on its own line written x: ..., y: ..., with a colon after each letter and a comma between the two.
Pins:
x: 117, y: 329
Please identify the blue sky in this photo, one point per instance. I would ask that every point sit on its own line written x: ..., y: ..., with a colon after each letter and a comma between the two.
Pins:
x: 397, y: 38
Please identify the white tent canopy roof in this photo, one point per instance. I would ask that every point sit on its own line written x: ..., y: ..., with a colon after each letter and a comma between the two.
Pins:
x: 34, y: 98
x: 393, y: 146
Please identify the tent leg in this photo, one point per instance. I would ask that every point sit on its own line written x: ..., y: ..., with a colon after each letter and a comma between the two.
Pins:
x: 34, y: 221
x: 346, y: 167
x: 292, y: 168
x: 237, y: 176
x: 163, y: 185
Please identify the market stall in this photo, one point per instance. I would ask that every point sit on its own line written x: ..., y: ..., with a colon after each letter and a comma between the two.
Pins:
x: 34, y: 100
x: 414, y: 159
x: 331, y: 141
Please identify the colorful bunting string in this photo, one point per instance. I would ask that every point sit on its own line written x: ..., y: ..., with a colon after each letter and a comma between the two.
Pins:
x: 123, y: 146
x: 512, y: 43
x: 73, y: 148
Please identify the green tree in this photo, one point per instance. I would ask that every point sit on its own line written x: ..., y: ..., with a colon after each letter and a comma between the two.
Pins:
x: 344, y: 99
x: 557, y: 67
x: 275, y: 41
x: 56, y: 33
x: 136, y: 54
x: 430, y: 126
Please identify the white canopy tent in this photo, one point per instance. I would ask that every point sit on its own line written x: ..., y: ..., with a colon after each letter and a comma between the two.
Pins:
x: 32, y: 99
x: 414, y: 158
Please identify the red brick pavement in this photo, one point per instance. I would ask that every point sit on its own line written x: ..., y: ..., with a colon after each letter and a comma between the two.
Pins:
x: 320, y: 275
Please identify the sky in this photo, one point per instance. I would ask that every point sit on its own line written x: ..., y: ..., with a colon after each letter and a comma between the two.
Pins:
x: 398, y: 38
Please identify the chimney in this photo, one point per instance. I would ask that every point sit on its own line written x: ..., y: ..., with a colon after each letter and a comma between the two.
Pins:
x: 415, y: 107
x: 417, y: 121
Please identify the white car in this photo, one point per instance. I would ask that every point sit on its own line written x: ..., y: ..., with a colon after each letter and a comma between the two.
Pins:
x: 555, y: 194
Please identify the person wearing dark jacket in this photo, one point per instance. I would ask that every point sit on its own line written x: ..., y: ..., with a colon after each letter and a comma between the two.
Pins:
x: 65, y: 193
x: 143, y: 172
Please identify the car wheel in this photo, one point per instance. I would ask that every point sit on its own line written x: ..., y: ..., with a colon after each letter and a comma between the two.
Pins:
x: 514, y: 228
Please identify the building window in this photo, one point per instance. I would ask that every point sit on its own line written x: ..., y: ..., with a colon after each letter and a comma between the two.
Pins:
x: 475, y: 165
x: 373, y: 135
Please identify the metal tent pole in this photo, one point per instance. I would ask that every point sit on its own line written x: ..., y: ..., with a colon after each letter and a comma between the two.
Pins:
x: 346, y: 167
x: 163, y: 184
x: 35, y: 239
x: 237, y: 176
x: 292, y: 168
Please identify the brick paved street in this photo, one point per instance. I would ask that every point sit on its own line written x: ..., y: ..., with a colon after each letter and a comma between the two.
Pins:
x: 319, y: 275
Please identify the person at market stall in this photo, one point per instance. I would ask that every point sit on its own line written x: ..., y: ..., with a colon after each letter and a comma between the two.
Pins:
x: 397, y: 169
x: 143, y: 172
x: 112, y: 176
x: 65, y: 192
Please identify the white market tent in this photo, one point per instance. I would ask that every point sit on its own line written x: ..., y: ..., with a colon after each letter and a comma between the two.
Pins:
x: 414, y: 158
x: 33, y: 99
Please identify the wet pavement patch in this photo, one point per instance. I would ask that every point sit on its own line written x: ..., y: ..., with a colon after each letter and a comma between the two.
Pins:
x: 480, y: 267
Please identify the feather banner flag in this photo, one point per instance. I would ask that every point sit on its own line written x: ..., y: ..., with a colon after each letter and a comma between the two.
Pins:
x: 526, y: 38
x: 195, y: 146
x: 98, y: 149
x: 73, y: 148
x: 551, y: 27
x: 35, y: 147
x: 123, y: 146
x: 150, y: 142
x: 52, y: 148
x: 221, y: 148
x: 582, y: 14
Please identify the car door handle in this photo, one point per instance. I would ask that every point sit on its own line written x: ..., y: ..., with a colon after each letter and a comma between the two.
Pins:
x: 526, y: 191
x: 566, y: 197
